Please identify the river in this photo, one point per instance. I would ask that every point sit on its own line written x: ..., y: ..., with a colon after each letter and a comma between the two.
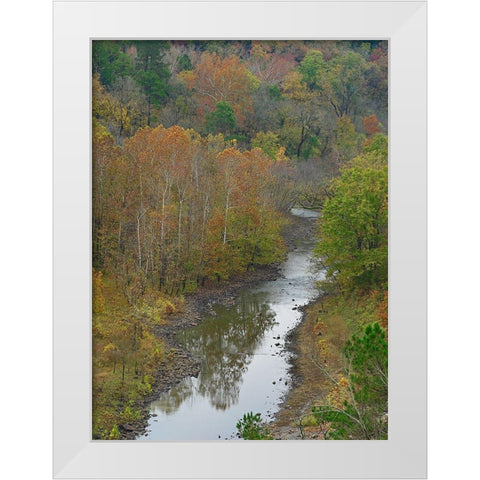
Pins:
x: 241, y: 349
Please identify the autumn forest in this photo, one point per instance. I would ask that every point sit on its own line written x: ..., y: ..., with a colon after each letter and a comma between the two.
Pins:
x: 213, y: 164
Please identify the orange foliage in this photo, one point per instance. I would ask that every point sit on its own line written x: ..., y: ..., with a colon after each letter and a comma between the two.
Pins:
x: 371, y: 125
x: 182, y: 208
x: 268, y: 67
x: 217, y: 79
x: 319, y: 328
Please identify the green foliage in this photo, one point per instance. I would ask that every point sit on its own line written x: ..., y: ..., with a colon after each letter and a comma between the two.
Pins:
x: 309, y: 421
x: 355, y: 309
x: 354, y: 226
x: 346, y: 139
x: 110, y: 62
x: 250, y: 428
x: 368, y: 356
x: 115, y: 433
x: 312, y: 68
x: 154, y: 85
x: 345, y: 82
x: 358, y: 405
x: 184, y: 63
x: 274, y: 92
x: 377, y: 147
x: 221, y: 120
x: 151, y: 73
x: 269, y: 142
x: 130, y: 414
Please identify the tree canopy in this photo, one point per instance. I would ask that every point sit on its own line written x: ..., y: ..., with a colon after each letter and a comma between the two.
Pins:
x: 354, y: 228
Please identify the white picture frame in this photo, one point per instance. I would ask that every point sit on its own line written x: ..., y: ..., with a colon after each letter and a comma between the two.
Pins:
x: 403, y: 24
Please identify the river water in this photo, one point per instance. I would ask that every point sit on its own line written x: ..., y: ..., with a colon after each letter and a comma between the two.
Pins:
x: 241, y: 349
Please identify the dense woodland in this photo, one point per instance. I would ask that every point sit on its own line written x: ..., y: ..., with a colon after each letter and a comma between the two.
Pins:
x: 200, y: 149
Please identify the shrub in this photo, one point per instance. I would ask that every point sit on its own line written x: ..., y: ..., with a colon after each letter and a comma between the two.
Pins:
x: 250, y: 428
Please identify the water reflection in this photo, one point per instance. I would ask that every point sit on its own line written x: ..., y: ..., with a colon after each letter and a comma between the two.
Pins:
x: 169, y: 403
x: 224, y: 344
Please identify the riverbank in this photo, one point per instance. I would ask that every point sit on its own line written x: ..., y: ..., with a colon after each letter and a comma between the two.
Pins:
x: 316, y: 346
x: 179, y: 363
x: 310, y: 383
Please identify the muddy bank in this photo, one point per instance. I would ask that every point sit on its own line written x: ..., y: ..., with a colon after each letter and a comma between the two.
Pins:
x: 179, y: 362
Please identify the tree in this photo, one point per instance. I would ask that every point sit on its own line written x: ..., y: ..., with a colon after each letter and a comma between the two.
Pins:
x: 184, y: 63
x: 353, y: 230
x: 109, y: 62
x: 244, y: 229
x: 300, y: 117
x: 216, y: 79
x: 152, y: 73
x: 221, y: 120
x: 371, y: 125
x: 343, y: 82
x: 376, y: 80
x: 269, y: 142
x: 267, y: 104
x: 313, y: 69
x: 119, y: 113
x: 269, y: 68
x: 346, y: 140
x: 357, y: 405
x: 106, y: 157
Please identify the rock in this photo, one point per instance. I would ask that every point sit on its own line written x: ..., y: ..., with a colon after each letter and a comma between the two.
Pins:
x: 126, y: 427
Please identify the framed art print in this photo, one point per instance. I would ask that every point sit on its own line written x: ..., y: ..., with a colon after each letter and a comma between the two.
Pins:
x: 240, y: 239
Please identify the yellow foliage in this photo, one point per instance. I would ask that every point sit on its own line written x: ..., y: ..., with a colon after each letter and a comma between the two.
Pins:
x: 339, y: 394
x: 280, y: 157
x: 323, y: 348
x: 295, y: 88
x: 98, y: 300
